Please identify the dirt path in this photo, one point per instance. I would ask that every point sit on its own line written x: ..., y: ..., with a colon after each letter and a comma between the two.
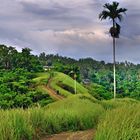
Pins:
x: 51, y: 92
x: 79, y: 135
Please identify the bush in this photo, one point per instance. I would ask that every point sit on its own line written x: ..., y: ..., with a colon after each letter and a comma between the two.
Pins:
x: 99, y: 92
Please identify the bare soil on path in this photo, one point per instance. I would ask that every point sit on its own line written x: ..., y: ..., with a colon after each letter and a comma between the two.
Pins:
x: 79, y: 135
x: 52, y: 92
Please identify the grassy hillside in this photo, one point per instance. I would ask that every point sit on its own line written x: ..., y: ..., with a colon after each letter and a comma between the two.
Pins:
x: 65, y: 85
x: 113, y: 119
x: 68, y: 114
x: 59, y: 82
x: 42, y: 78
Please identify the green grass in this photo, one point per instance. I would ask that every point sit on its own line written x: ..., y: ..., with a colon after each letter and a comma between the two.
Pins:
x: 68, y: 81
x: 114, y: 120
x: 122, y: 123
x: 112, y: 104
x: 42, y: 78
x: 15, y: 125
x: 56, y: 79
x: 75, y: 113
x: 71, y: 114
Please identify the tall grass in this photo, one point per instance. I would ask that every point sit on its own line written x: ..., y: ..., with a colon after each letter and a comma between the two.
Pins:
x: 15, y: 125
x: 112, y: 104
x: 75, y: 114
x: 122, y: 123
x: 68, y: 115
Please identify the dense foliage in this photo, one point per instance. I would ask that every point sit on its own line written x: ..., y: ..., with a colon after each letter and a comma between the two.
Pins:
x: 17, y: 89
x: 17, y: 69
x: 21, y: 81
x: 100, y: 74
x: 11, y: 59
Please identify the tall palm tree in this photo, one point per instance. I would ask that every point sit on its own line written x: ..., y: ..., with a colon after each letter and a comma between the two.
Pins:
x: 112, y: 12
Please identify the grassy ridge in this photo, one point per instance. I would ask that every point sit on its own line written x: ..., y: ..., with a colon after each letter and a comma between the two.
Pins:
x: 68, y: 81
x: 58, y: 82
x: 117, y: 103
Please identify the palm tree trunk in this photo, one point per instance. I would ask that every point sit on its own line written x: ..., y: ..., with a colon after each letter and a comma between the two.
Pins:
x: 114, y: 67
x: 75, y: 90
x: 114, y: 62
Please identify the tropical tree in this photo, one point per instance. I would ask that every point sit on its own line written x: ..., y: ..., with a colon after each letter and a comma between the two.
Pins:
x: 112, y: 12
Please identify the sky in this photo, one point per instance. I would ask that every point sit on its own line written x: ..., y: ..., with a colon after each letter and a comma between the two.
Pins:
x: 70, y: 28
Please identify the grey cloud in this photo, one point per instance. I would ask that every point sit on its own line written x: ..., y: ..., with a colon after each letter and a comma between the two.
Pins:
x: 45, y: 12
x: 69, y: 27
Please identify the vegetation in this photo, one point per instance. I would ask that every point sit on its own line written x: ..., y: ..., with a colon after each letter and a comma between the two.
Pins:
x: 65, y: 85
x: 20, y: 124
x: 20, y: 82
x: 100, y: 75
x: 121, y: 123
x: 42, y: 78
x: 107, y: 117
x: 12, y: 59
x: 17, y: 89
x: 98, y: 91
x: 33, y: 91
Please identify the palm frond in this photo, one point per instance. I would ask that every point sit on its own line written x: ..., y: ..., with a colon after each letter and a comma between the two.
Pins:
x: 108, y: 7
x: 104, y: 14
x: 115, y: 5
x: 118, y: 27
x: 121, y: 10
x: 111, y: 11
x: 120, y: 17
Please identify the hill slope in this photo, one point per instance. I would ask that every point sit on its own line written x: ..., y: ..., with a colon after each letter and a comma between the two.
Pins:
x: 58, y: 85
x: 65, y: 85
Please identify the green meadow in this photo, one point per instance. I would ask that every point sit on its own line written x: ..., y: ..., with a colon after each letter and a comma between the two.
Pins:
x: 111, y: 120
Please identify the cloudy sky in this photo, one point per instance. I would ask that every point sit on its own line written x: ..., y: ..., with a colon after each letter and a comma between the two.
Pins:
x: 70, y: 28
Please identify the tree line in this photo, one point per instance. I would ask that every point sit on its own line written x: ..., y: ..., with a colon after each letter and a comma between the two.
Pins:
x: 11, y: 59
x: 99, y: 73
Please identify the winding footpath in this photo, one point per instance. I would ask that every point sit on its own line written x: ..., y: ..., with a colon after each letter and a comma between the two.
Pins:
x: 79, y: 135
x: 52, y: 92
